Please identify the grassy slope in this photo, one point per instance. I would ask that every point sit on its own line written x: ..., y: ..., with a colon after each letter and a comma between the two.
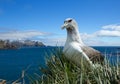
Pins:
x: 61, y: 71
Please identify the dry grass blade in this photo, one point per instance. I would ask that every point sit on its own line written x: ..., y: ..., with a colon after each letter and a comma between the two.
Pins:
x: 59, y: 70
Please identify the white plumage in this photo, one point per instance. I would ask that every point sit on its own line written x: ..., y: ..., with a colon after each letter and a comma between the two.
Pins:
x: 74, y: 48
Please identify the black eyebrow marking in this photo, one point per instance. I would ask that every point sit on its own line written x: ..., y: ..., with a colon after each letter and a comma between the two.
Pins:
x: 70, y: 20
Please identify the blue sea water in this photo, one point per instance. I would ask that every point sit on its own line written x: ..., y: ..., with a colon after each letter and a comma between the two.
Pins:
x: 13, y: 61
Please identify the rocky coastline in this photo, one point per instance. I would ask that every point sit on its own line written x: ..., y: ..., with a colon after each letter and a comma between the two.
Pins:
x: 6, y: 44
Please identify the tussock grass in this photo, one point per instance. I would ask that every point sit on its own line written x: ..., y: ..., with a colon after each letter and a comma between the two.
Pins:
x: 59, y: 70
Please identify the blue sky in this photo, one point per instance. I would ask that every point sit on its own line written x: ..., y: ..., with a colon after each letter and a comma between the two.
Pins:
x: 98, y: 20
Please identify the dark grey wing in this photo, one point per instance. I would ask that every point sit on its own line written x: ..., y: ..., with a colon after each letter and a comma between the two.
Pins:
x: 93, y: 54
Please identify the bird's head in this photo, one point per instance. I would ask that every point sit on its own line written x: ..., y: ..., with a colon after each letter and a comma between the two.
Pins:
x: 69, y: 23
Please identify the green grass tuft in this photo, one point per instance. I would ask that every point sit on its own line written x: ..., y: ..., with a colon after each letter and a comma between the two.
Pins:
x: 59, y: 70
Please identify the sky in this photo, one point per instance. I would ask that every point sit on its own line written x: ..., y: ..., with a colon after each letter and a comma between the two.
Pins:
x: 98, y: 20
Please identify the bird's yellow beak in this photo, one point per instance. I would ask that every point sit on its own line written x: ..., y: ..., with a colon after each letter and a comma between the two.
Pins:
x: 63, y: 26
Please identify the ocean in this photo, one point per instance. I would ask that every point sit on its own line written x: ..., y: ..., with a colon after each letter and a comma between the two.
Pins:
x: 13, y: 61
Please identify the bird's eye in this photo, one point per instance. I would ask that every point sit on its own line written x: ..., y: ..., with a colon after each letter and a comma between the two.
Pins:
x: 69, y: 20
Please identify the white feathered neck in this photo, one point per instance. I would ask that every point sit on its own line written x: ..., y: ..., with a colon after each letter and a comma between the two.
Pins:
x: 73, y: 35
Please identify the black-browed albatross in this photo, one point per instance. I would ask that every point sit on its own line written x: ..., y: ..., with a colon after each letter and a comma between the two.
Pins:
x: 74, y: 48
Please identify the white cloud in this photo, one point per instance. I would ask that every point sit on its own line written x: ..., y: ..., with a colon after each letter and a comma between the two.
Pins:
x: 95, y: 42
x: 103, y: 37
x: 112, y: 27
x: 108, y: 33
x: 15, y: 35
x: 54, y: 41
x: 86, y: 36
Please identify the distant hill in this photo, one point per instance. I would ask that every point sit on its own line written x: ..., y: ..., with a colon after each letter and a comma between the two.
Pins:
x: 17, y: 44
